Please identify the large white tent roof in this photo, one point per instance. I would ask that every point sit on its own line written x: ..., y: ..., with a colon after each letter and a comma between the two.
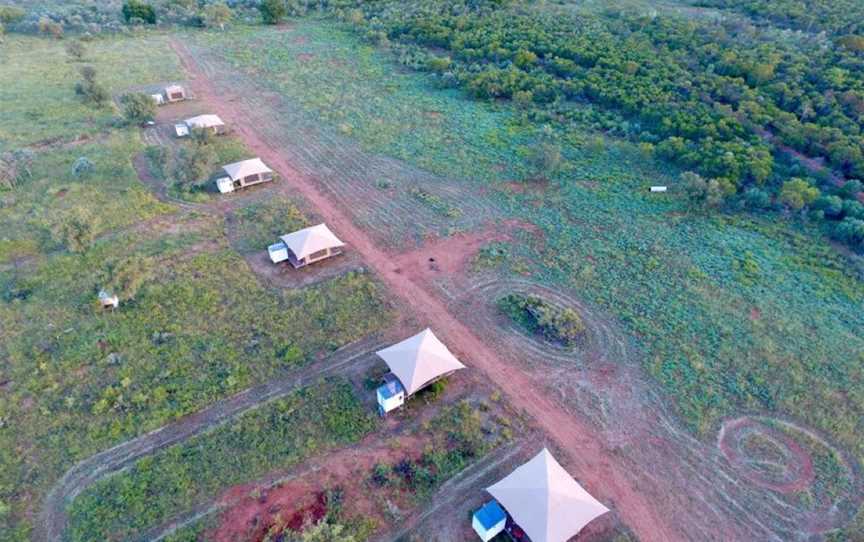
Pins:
x: 204, y: 121
x: 545, y: 501
x: 244, y: 168
x: 418, y: 360
x: 310, y: 240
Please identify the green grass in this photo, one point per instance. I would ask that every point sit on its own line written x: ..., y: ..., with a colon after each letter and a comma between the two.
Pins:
x: 275, y: 436
x: 260, y: 224
x: 730, y: 313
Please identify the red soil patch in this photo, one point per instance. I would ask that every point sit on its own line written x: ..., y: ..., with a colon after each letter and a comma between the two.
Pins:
x: 253, y: 509
x: 591, y: 460
x: 305, y: 57
x: 450, y: 255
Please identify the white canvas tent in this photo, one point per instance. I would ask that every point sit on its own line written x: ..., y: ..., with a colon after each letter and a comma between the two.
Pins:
x: 212, y: 122
x: 545, y: 501
x: 175, y: 93
x: 306, y: 246
x: 419, y: 360
x: 244, y: 173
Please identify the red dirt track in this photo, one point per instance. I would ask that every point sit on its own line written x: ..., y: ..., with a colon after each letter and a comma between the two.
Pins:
x: 588, y: 458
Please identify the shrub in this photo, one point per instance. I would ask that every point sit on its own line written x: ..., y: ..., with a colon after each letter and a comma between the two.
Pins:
x: 89, y: 89
x: 138, y: 108
x: 75, y: 49
x: 797, y: 193
x: 82, y: 167
x: 75, y: 232
x: 194, y: 164
x: 217, y: 15
x: 136, y: 9
x: 555, y: 323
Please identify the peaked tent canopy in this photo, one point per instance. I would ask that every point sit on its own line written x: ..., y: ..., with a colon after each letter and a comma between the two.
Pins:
x: 545, y: 501
x: 204, y: 121
x: 310, y: 240
x: 245, y: 168
x: 418, y: 360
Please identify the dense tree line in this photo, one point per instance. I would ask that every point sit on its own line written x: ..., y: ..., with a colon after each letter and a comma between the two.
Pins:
x: 727, y: 100
x: 835, y: 16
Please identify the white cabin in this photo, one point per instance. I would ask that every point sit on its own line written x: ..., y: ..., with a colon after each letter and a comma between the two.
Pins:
x: 659, y: 188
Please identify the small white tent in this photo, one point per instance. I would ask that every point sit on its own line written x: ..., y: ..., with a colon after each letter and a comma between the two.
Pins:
x: 244, y: 173
x: 545, y: 501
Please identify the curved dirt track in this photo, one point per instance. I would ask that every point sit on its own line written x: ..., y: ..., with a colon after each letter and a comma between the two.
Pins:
x: 52, y: 520
x: 592, y: 462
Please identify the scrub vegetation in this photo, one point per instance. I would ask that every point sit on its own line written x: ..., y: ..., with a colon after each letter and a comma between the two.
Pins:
x: 275, y: 436
x: 554, y: 323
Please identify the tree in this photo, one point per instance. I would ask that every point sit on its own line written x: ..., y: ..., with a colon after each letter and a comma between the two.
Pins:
x: 47, y: 26
x: 273, y: 11
x: 138, y: 108
x: 136, y: 9
x: 797, y: 193
x: 546, y: 160
x: 217, y: 15
x: 850, y: 230
x: 76, y: 232
x: 89, y: 89
x: 702, y: 193
x: 11, y: 14
x: 194, y: 163
x: 75, y: 49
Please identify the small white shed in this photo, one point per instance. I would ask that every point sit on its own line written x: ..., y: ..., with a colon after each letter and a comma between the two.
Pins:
x: 108, y: 301
x: 159, y: 99
x: 489, y: 520
x: 659, y: 188
x: 390, y: 395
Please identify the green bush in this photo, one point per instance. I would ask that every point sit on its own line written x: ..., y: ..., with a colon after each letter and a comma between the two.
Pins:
x: 558, y: 324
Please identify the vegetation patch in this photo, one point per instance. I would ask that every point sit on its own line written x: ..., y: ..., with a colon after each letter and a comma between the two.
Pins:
x: 258, y: 225
x: 275, y: 436
x: 554, y: 323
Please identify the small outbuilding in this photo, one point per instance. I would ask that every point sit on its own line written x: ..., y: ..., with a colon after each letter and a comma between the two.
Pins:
x: 207, y: 122
x: 306, y: 246
x: 242, y: 174
x: 544, y: 501
x: 159, y: 99
x: 489, y: 520
x: 414, y: 363
x: 659, y: 188
x: 108, y: 301
x: 174, y: 93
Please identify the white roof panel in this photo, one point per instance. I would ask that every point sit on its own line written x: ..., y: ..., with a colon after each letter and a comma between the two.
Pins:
x: 204, y: 121
x: 419, y: 359
x: 545, y: 501
x: 310, y: 240
x: 244, y: 168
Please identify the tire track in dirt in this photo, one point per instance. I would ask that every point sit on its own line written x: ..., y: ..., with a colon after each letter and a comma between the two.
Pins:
x: 590, y: 459
x: 53, y: 520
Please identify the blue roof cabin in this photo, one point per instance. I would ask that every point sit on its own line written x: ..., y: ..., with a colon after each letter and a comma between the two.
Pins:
x: 489, y: 520
x: 391, y: 394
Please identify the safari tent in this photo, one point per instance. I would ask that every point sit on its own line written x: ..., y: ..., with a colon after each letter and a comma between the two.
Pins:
x: 207, y: 122
x: 244, y: 173
x: 174, y: 93
x: 306, y: 246
x: 544, y: 501
x: 414, y: 363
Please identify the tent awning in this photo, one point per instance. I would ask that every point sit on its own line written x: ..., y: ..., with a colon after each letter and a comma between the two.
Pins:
x: 545, y: 501
x: 418, y: 360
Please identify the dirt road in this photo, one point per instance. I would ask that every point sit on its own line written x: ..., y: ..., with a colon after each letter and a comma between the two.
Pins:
x: 588, y: 457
